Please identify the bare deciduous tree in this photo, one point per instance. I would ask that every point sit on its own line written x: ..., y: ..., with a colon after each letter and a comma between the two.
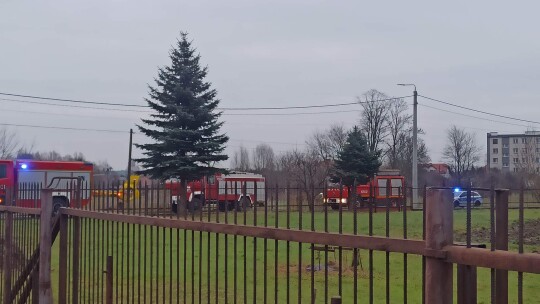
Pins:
x: 399, y: 130
x: 9, y: 143
x: 461, y: 151
x: 306, y: 169
x: 263, y: 158
x: 240, y: 160
x: 405, y: 152
x: 374, y: 118
x: 328, y: 143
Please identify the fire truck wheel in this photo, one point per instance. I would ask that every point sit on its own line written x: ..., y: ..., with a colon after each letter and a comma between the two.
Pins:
x: 57, y: 204
x: 222, y: 206
x: 174, y: 208
x: 243, y: 204
x: 334, y: 206
x: 194, y: 205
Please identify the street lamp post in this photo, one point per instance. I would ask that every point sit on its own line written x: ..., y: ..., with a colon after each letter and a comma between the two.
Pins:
x: 415, y: 147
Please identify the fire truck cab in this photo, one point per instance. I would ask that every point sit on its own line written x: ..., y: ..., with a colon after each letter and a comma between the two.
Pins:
x: 22, y: 179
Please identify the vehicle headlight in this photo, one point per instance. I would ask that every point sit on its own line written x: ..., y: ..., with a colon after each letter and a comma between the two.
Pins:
x: 343, y: 200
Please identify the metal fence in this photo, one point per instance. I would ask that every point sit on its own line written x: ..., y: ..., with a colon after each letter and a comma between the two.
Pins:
x: 120, y: 245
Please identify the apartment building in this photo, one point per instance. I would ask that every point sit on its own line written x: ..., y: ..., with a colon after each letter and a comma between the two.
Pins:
x: 514, y: 152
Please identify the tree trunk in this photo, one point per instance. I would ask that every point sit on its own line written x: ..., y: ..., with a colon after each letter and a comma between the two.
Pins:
x: 182, y: 206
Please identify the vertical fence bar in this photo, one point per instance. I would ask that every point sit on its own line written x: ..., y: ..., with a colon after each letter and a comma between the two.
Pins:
x: 76, y: 251
x: 300, y: 202
x: 63, y: 260
x: 235, y: 244
x: 492, y: 238
x: 355, y: 259
x: 254, y: 202
x: 340, y: 249
x: 501, y: 243
x: 387, y: 234
x: 288, y: 195
x: 45, y: 241
x: 370, y: 233
x: 265, y: 246
x: 276, y: 247
x: 439, y: 233
x: 226, y: 257
x: 7, y: 265
x: 403, y: 196
x: 424, y: 199
x: 312, y: 278
x: 244, y: 209
x: 520, y: 239
x: 469, y: 219
x: 325, y: 199
x: 109, y: 281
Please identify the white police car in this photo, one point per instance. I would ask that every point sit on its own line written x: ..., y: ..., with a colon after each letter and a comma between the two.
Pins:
x: 460, y: 198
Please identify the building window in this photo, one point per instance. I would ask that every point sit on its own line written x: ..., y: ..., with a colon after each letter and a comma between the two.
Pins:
x: 505, y: 154
x: 516, y: 160
x: 505, y: 165
x: 495, y: 141
x: 505, y: 145
x: 537, y: 150
x: 515, y: 140
x: 523, y: 140
x: 515, y: 169
x: 495, y: 151
x: 495, y: 160
x: 523, y: 160
x: 515, y: 150
x: 538, y: 159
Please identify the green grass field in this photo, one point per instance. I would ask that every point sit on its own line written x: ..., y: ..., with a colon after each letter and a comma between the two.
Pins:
x: 150, y: 263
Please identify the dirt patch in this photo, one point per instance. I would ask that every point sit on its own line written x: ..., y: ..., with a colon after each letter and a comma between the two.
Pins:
x: 531, y: 235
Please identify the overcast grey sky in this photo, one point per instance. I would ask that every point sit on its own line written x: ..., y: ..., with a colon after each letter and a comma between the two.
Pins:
x: 480, y: 54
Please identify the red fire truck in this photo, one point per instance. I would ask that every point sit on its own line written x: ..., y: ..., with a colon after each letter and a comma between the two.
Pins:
x: 23, y: 178
x: 336, y: 195
x: 238, y: 190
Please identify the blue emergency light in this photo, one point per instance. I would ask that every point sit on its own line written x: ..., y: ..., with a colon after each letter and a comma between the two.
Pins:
x: 24, y: 166
x: 457, y: 189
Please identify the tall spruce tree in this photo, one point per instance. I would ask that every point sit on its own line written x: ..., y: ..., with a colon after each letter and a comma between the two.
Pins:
x: 184, y: 128
x: 356, y: 161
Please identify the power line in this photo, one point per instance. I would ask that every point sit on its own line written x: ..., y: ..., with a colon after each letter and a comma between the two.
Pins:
x: 479, y: 111
x: 223, y: 109
x: 62, y: 128
x: 74, y: 100
x: 314, y: 106
x: 287, y: 114
x: 472, y: 116
x: 141, y: 111
x: 73, y: 106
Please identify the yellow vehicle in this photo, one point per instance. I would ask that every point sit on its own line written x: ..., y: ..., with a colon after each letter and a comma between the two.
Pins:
x: 120, y: 193
x: 134, y: 191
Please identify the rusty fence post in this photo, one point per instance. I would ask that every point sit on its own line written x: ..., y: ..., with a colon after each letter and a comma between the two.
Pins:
x: 439, y: 233
x: 62, y: 260
x: 45, y: 240
x: 8, y: 240
x: 466, y: 284
x: 501, y: 243
x: 76, y: 249
x: 109, y: 281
